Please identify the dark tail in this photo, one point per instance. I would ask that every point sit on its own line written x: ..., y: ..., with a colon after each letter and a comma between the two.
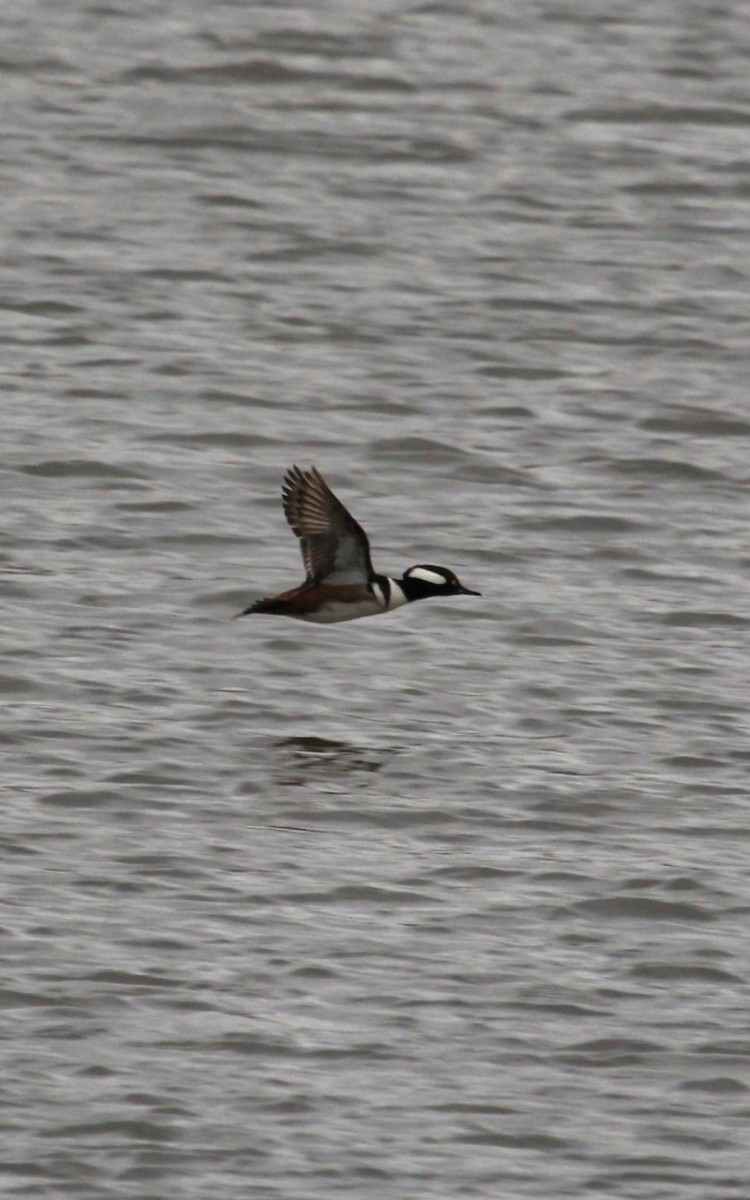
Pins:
x: 261, y: 606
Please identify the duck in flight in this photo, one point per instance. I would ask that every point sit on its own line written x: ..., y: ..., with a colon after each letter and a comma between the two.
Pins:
x: 341, y: 584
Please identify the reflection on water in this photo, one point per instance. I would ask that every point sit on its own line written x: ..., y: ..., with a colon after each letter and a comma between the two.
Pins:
x: 301, y: 760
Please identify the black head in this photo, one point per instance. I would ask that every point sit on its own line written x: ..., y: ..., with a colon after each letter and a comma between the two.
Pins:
x: 427, y: 580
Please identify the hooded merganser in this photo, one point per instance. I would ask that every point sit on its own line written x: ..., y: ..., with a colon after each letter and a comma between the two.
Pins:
x: 341, y: 583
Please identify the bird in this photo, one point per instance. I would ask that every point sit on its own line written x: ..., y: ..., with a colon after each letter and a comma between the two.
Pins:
x: 340, y: 582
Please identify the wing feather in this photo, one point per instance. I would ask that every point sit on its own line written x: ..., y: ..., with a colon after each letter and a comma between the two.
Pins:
x: 334, y: 546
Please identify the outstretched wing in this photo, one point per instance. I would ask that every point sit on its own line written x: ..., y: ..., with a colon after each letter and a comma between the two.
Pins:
x: 334, y: 546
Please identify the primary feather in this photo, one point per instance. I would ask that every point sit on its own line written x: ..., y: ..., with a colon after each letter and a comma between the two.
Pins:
x: 334, y: 546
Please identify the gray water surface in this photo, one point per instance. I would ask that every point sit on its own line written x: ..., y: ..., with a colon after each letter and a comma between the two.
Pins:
x: 451, y: 903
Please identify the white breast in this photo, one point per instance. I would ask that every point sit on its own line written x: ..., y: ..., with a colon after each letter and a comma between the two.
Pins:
x: 398, y: 596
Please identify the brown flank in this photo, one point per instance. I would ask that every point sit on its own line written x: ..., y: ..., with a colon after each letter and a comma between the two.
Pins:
x: 308, y: 598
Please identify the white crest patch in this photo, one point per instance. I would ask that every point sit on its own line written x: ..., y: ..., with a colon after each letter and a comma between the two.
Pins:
x: 427, y: 576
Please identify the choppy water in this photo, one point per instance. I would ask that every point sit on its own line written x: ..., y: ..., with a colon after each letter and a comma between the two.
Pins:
x: 452, y: 903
